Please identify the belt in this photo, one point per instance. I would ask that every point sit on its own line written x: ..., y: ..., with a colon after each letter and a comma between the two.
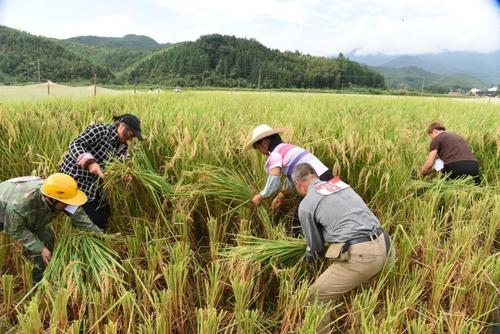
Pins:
x: 376, y: 233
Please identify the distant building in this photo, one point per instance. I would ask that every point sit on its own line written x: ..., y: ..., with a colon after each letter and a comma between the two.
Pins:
x: 491, y: 92
x: 474, y: 92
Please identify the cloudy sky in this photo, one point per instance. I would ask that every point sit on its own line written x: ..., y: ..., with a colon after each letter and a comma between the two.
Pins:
x: 318, y: 27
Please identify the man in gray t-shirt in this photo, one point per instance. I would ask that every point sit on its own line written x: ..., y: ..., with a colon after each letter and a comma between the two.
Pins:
x: 333, y: 213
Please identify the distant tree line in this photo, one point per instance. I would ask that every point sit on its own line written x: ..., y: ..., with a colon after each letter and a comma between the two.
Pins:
x: 23, y: 56
x: 227, y: 61
x: 212, y: 60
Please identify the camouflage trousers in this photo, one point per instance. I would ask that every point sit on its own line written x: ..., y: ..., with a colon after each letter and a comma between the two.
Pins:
x: 47, y: 236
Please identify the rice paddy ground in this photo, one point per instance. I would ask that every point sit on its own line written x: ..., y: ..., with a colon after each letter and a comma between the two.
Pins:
x: 166, y: 268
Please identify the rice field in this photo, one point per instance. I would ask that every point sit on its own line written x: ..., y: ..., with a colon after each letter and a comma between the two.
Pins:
x: 178, y: 258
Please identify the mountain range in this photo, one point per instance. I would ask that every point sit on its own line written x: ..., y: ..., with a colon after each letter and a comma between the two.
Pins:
x: 211, y: 60
x: 483, y: 66
x: 218, y: 60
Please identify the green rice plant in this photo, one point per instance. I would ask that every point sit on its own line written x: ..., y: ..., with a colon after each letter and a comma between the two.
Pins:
x: 155, y: 253
x: 293, y: 313
x: 128, y: 306
x: 267, y: 253
x: 82, y: 258
x: 164, y: 321
x: 242, y: 283
x: 209, y: 320
x: 26, y: 268
x: 183, y: 226
x: 402, y: 305
x: 59, y: 315
x: 250, y: 322
x: 76, y: 327
x: 30, y: 321
x: 245, y: 227
x: 5, y: 251
x: 225, y: 184
x: 111, y: 328
x: 314, y: 313
x: 7, y: 292
x: 216, y: 234
x: 176, y: 276
x: 213, y: 285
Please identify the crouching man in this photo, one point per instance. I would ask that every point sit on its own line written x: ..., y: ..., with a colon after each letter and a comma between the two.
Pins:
x: 28, y: 204
x: 333, y: 214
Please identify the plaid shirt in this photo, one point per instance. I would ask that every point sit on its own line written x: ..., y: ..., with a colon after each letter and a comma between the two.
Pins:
x: 101, y: 141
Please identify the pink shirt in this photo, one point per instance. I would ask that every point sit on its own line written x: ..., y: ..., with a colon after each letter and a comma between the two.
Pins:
x: 285, y: 155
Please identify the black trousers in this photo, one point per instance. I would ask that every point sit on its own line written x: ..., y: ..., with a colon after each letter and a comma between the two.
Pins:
x: 460, y: 169
x: 98, y: 211
x: 296, y: 229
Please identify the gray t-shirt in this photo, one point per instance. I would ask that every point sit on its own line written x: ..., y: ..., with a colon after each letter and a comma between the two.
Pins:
x: 333, y: 218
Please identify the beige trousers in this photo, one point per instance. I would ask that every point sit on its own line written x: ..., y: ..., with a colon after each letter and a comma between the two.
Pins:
x: 365, y: 261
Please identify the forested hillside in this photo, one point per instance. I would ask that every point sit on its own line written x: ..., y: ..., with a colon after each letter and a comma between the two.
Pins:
x: 23, y: 56
x: 228, y: 61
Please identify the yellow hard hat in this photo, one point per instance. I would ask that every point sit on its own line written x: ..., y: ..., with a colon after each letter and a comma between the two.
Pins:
x: 63, y: 188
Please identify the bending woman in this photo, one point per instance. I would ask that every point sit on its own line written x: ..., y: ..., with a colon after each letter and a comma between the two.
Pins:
x: 282, y: 159
x: 87, y: 157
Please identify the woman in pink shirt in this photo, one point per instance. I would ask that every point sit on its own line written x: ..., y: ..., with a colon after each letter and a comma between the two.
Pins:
x: 282, y: 159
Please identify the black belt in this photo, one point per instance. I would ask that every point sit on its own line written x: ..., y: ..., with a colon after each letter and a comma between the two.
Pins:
x: 376, y: 233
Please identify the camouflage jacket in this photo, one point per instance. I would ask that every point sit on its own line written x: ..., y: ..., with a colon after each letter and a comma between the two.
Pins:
x: 23, y: 211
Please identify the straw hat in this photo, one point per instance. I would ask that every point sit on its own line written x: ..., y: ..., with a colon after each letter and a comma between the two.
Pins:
x: 262, y: 131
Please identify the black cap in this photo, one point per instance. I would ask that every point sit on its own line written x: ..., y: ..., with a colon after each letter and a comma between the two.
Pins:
x: 132, y: 122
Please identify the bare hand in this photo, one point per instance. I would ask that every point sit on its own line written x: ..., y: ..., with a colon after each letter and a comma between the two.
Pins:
x: 46, y: 255
x: 95, y: 169
x: 257, y: 199
x: 277, y: 201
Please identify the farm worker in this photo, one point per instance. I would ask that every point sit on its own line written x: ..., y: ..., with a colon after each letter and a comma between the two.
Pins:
x: 282, y: 159
x: 333, y: 213
x: 458, y: 159
x: 87, y: 157
x: 29, y: 203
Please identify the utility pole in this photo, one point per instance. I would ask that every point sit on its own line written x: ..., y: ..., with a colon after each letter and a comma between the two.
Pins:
x: 95, y: 83
x: 423, y: 85
x: 260, y: 72
x: 38, y: 65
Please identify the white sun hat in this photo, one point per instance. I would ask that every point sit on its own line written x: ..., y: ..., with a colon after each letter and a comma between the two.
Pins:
x: 262, y: 131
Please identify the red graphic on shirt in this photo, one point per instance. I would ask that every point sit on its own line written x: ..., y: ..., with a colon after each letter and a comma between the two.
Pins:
x: 330, y: 187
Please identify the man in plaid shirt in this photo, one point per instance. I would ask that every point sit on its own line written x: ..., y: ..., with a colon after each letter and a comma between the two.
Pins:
x: 87, y: 157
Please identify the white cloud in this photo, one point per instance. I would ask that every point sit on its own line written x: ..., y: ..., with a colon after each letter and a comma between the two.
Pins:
x: 420, y: 26
x: 113, y: 25
x: 328, y: 27
x: 117, y: 25
x: 320, y: 27
x: 292, y: 11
